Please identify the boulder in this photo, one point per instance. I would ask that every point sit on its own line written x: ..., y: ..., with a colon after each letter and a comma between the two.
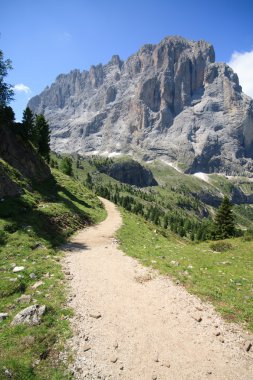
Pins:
x: 30, y: 315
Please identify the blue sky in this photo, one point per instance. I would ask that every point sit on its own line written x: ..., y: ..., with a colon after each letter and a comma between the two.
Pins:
x: 45, y: 38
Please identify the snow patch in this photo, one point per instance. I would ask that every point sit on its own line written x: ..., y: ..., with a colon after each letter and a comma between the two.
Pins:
x: 91, y: 153
x: 202, y: 176
x: 114, y: 154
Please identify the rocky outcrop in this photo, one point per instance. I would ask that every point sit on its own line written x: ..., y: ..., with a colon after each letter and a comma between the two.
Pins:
x: 130, y: 172
x: 169, y: 101
x: 21, y: 156
x: 30, y: 316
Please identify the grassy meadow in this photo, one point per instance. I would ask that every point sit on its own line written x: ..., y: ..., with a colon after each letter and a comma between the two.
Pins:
x: 32, y: 228
x: 219, y: 272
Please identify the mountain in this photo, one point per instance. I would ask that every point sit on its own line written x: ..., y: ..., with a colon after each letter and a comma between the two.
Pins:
x: 170, y: 101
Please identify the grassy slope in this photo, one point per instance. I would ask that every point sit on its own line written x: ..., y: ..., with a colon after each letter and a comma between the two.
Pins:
x: 31, y: 228
x: 224, y: 278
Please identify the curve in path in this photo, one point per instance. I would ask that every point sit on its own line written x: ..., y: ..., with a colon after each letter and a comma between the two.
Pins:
x: 131, y: 323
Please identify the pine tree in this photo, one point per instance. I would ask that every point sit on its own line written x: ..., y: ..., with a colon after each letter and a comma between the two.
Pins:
x: 41, y: 137
x: 224, y: 220
x: 27, y: 124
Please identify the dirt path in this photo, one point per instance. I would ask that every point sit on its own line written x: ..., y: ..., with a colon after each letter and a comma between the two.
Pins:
x: 131, y: 323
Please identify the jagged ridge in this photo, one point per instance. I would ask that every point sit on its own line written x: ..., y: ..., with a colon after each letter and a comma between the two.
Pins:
x: 169, y: 101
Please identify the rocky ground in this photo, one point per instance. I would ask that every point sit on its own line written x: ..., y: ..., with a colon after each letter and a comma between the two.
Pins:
x: 131, y: 323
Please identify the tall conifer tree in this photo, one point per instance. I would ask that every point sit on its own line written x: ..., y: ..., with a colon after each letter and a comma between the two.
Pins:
x: 224, y: 220
x: 28, y: 122
x: 41, y: 137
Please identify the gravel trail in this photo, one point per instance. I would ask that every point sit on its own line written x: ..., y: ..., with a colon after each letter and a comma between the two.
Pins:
x: 131, y: 323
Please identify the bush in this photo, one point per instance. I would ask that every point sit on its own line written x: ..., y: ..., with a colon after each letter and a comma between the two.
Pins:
x: 11, y: 227
x: 221, y: 246
x: 66, y: 166
x: 248, y: 236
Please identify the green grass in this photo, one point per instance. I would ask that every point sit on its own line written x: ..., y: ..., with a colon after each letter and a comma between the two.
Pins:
x: 223, y: 278
x: 32, y: 227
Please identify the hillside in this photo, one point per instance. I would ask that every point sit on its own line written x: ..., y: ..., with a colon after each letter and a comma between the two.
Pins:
x: 170, y: 101
x: 32, y: 226
x: 19, y: 163
x: 39, y: 210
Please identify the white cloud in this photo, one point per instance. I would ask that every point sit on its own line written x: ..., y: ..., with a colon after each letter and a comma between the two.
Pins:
x: 22, y: 88
x: 242, y: 64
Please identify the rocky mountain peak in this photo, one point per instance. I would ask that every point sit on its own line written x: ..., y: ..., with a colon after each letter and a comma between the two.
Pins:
x: 115, y: 60
x: 169, y: 101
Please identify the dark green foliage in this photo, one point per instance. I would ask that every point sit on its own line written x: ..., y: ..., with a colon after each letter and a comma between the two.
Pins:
x: 28, y: 124
x: 53, y: 163
x: 224, y: 220
x: 41, y: 137
x: 66, y: 166
x: 88, y: 181
x: 7, y: 117
x: 6, y: 91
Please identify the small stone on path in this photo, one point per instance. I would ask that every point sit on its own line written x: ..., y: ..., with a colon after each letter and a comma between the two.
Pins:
x: 197, y: 318
x: 114, y: 359
x: 95, y: 315
x: 247, y: 346
x: 86, y: 348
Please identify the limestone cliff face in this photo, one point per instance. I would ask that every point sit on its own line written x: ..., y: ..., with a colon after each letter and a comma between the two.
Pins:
x: 169, y: 101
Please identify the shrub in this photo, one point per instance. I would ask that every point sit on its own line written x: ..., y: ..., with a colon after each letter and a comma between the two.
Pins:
x: 221, y: 246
